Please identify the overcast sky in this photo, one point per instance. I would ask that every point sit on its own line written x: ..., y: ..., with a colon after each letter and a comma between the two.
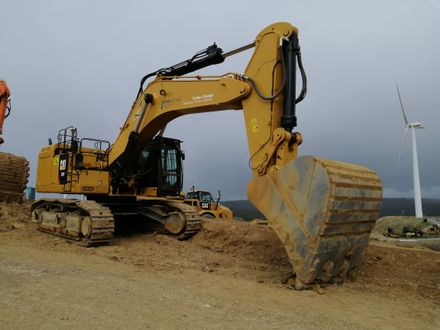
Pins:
x: 79, y: 63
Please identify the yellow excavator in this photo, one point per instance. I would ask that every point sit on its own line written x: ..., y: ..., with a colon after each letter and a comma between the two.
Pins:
x: 322, y: 210
x: 14, y: 170
x: 206, y: 205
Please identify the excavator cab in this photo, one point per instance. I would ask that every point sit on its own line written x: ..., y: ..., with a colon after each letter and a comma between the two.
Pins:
x: 160, y: 165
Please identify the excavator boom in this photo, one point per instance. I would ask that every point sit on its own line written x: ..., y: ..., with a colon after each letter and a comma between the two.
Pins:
x: 322, y: 210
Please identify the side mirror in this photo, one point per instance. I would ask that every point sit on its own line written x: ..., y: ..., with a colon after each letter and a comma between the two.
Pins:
x: 218, y: 200
x: 182, y: 155
x: 50, y: 141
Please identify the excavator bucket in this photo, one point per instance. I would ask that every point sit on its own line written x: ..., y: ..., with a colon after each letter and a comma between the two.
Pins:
x: 323, y: 211
x: 14, y: 173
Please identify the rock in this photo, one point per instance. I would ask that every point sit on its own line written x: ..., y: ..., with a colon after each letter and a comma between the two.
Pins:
x: 318, y: 289
x: 290, y: 283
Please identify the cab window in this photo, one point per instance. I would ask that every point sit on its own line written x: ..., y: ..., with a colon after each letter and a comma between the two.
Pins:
x: 206, y: 196
x: 191, y: 195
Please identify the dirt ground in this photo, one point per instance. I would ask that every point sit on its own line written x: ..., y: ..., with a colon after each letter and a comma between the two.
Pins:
x: 230, y: 275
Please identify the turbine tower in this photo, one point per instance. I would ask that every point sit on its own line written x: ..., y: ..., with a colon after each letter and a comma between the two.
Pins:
x: 416, y: 177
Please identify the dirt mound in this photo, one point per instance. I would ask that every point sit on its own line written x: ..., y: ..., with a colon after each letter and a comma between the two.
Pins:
x: 430, y: 240
x: 397, y: 224
x: 391, y: 271
x: 13, y: 215
x: 229, y: 248
x: 255, y: 242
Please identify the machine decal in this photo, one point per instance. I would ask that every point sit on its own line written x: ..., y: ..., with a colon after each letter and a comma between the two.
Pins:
x: 169, y: 102
x: 62, y: 168
x: 63, y: 164
x: 200, y: 99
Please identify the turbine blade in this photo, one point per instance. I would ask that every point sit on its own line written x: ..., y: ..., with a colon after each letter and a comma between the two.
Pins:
x: 401, y: 105
x: 402, y: 144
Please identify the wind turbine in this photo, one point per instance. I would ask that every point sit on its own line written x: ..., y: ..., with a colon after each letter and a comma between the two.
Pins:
x: 416, y: 177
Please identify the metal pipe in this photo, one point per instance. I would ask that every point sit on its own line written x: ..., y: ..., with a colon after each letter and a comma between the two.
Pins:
x: 239, y: 50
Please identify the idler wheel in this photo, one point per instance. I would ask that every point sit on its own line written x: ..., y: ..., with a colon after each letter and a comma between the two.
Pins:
x: 175, y: 223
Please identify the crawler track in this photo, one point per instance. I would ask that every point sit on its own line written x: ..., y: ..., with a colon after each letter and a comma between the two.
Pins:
x: 90, y: 223
x: 86, y: 222
x: 178, y: 219
x: 193, y: 221
x: 193, y: 226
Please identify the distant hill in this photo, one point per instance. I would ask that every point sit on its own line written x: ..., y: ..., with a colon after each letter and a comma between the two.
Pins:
x: 405, y: 206
x: 390, y: 206
x: 243, y: 209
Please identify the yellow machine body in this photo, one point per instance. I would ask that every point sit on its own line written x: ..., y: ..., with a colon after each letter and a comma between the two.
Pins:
x: 322, y: 210
x: 90, y: 179
x: 206, y: 205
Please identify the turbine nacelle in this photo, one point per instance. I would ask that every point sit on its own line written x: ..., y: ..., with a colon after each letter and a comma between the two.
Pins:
x: 416, y: 124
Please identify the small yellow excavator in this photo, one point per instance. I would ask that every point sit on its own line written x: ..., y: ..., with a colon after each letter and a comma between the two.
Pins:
x: 322, y: 210
x: 14, y: 170
x: 206, y: 205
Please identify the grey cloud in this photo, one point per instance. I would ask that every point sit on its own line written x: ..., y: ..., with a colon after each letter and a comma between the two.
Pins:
x: 79, y: 63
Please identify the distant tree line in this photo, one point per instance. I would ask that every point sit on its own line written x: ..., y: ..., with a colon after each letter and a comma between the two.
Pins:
x: 391, y: 206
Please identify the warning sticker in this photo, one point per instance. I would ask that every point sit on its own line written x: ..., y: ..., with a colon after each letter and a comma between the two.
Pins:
x: 254, y: 125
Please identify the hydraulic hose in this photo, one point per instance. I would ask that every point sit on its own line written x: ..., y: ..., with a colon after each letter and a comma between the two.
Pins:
x: 8, y: 109
x: 283, y: 83
x: 206, y: 57
x: 143, y: 80
x: 303, y: 93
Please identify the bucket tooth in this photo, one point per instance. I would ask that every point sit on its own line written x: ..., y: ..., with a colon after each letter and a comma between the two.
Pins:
x: 323, y: 211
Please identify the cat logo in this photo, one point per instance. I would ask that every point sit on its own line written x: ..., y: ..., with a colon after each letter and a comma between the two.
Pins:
x: 63, y: 164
